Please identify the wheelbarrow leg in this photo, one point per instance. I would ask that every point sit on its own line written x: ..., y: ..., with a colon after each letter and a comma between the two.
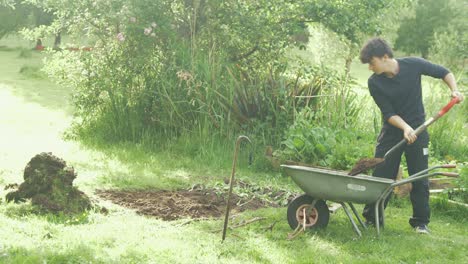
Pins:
x: 377, y: 222
x: 357, y: 215
x: 383, y: 213
x: 345, y: 208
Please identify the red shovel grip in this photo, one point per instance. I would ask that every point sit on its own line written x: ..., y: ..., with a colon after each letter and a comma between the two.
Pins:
x: 446, y: 108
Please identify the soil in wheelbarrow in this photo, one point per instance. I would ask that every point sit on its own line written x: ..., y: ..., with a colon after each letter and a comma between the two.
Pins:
x: 192, y: 203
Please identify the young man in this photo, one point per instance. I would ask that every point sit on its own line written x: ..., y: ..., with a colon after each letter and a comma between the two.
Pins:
x: 396, y: 89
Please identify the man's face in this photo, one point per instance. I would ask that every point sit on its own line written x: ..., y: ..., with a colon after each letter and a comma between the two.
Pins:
x: 376, y: 65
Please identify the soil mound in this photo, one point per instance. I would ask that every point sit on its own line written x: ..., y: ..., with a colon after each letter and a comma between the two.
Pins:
x: 172, y: 205
x: 48, y: 182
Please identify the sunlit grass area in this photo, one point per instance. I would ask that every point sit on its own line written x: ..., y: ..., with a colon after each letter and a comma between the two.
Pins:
x: 121, y: 236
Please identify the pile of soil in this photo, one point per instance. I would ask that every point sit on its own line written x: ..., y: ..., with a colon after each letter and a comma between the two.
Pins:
x: 48, y: 183
x: 172, y: 205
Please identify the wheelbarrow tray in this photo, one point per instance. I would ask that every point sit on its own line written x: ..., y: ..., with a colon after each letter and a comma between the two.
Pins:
x: 337, y: 186
x: 322, y: 184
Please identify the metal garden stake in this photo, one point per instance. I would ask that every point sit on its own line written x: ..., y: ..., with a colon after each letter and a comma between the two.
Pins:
x: 231, y: 182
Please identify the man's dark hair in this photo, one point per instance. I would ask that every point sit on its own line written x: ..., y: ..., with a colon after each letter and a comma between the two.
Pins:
x: 375, y: 47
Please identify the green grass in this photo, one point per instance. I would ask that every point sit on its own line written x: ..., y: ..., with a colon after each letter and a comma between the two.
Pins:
x: 35, y: 113
x: 125, y: 237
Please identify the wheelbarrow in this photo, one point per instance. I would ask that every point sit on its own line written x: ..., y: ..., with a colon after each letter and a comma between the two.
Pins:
x: 310, y: 211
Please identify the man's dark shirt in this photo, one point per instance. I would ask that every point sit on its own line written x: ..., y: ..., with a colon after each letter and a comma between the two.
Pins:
x: 402, y: 94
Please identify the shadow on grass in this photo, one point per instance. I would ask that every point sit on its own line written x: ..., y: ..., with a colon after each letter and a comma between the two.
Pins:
x: 140, y: 166
x: 21, y: 72
x: 339, y: 244
x: 7, y: 48
x: 27, y: 210
x: 80, y: 254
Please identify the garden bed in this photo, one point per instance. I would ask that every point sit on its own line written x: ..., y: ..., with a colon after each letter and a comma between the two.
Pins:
x: 193, y: 203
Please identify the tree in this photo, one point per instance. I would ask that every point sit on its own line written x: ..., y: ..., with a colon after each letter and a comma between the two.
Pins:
x: 416, y: 34
x: 350, y: 19
x: 179, y: 65
x: 17, y: 15
x: 450, y: 44
x: 13, y: 17
x: 8, y: 3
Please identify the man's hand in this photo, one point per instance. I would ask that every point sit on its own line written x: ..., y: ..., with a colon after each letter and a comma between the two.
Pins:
x: 409, y: 135
x: 408, y: 131
x: 456, y: 93
x: 451, y: 82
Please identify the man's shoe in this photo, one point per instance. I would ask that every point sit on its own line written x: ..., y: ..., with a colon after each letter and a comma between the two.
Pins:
x: 422, y: 229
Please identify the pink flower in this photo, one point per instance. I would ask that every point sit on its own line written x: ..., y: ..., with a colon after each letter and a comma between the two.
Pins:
x: 154, y: 24
x: 147, y: 31
x: 120, y: 37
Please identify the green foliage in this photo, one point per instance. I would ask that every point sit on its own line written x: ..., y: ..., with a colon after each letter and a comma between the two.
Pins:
x: 199, y: 90
x: 333, y: 146
x: 7, y: 3
x: 223, y: 68
x: 161, y: 70
x: 416, y: 34
x: 441, y: 205
x: 308, y: 143
x: 462, y: 181
x: 17, y: 14
x: 351, y: 19
x: 450, y: 44
x: 449, y: 139
x: 10, y: 18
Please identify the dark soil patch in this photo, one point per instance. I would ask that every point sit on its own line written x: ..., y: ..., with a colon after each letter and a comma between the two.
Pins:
x: 172, y: 205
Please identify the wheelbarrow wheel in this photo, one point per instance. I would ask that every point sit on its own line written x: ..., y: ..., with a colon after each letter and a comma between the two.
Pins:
x: 316, y: 217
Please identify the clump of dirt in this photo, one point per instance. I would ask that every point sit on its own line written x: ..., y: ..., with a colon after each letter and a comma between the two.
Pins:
x: 365, y: 164
x: 192, y: 203
x: 48, y: 182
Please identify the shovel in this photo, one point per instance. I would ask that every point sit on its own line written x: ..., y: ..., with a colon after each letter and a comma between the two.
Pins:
x: 366, y: 163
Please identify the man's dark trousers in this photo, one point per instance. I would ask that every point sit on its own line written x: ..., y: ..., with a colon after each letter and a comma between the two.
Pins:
x: 417, y: 160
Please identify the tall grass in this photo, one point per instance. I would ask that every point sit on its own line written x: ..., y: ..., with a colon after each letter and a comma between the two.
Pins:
x: 449, y: 135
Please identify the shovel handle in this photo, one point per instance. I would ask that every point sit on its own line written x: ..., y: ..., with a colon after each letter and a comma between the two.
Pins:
x: 423, y: 127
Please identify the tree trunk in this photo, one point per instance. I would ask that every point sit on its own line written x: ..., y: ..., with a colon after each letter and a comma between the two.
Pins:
x: 57, y: 41
x: 39, y: 44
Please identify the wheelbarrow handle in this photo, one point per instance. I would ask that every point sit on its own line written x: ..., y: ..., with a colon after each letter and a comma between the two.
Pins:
x: 428, y: 122
x: 448, y: 166
x: 419, y: 177
x: 450, y: 174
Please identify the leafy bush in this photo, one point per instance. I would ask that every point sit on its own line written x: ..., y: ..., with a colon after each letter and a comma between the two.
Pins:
x: 309, y: 141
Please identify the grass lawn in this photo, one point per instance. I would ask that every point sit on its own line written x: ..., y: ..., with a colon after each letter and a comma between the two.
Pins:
x: 34, y: 114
